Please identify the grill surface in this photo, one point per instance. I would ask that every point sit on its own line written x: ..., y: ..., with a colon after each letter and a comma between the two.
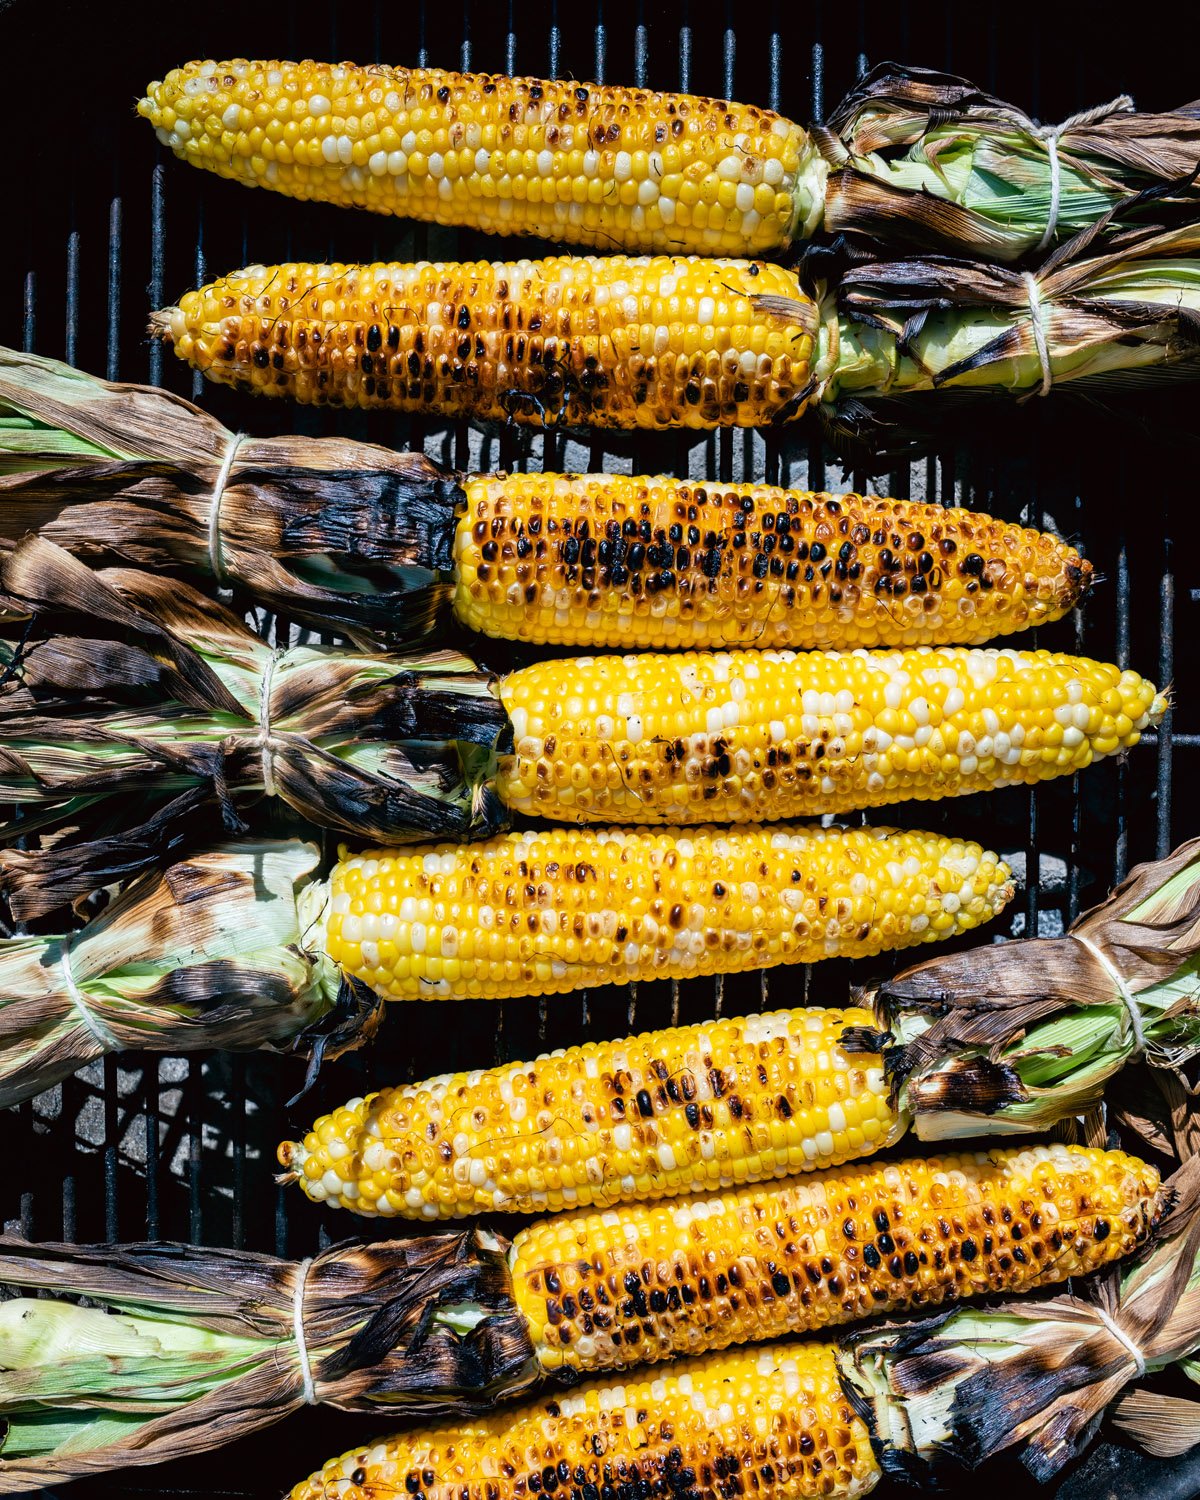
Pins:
x: 105, y: 225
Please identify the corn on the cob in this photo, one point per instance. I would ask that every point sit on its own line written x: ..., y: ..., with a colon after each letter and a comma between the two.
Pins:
x: 610, y: 342
x: 753, y: 735
x: 645, y: 1282
x: 541, y: 913
x: 685, y: 342
x: 583, y: 163
x: 653, y: 1116
x: 615, y: 560
x: 771, y: 1421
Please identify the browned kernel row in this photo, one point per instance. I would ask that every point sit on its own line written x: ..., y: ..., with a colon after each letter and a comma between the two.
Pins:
x: 612, y: 341
x: 620, y: 560
x: 615, y: 1287
x: 771, y: 1422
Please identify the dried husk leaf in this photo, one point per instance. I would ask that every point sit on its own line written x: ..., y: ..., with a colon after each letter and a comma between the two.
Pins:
x: 217, y: 950
x: 1011, y: 1036
x: 928, y: 162
x: 124, y: 682
x: 1124, y: 314
x: 340, y: 535
x: 1030, y: 1375
x: 196, y: 1347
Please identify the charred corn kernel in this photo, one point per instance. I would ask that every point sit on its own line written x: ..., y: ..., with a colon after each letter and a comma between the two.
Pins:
x: 751, y: 735
x: 544, y: 912
x: 614, y: 560
x: 695, y: 1107
x: 773, y: 1419
x: 584, y: 163
x: 585, y: 340
x: 642, y: 1282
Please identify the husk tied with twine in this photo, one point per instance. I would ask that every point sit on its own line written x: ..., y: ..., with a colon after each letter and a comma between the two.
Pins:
x: 1036, y: 1376
x: 340, y: 535
x: 927, y: 161
x: 181, y: 1349
x: 1012, y: 1036
x: 131, y: 706
x: 217, y: 950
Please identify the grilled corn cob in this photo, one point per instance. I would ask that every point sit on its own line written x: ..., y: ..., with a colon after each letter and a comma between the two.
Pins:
x: 541, y: 913
x: 686, y: 342
x: 771, y: 1421
x: 582, y: 163
x: 555, y: 558
x: 753, y: 735
x: 614, y: 560
x: 693, y: 1108
x: 641, y: 1282
x: 611, y: 342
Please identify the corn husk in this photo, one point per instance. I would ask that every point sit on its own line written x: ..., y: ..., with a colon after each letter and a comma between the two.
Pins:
x: 130, y: 706
x: 1008, y: 1038
x: 217, y: 950
x: 341, y: 535
x: 1113, y: 311
x: 181, y: 1349
x: 926, y: 161
x: 1035, y: 1376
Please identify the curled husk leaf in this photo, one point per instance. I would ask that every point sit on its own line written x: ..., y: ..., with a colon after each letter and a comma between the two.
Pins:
x: 1035, y: 1376
x: 181, y: 1348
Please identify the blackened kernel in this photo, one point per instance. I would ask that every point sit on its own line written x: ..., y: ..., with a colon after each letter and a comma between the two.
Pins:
x: 969, y: 1249
x: 910, y: 1263
x: 645, y: 1107
x: 871, y: 1257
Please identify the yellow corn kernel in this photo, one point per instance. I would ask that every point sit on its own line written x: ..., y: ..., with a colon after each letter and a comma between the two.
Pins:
x: 775, y: 1418
x: 616, y: 560
x: 753, y: 735
x: 616, y: 1287
x: 652, y: 1116
x: 575, y: 339
x: 584, y: 163
x: 545, y: 912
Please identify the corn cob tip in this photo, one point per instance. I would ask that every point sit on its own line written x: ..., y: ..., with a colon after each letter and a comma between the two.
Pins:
x: 163, y: 324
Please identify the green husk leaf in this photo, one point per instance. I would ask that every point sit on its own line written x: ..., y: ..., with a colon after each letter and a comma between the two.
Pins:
x: 928, y: 162
x: 1033, y: 1376
x: 340, y: 535
x: 124, y: 682
x: 222, y: 949
x: 181, y: 1349
x: 1012, y: 1037
x: 1127, y: 312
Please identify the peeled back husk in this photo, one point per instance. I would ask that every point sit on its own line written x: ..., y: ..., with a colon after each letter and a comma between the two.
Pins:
x: 183, y: 1348
x: 338, y: 534
x: 131, y: 704
x: 1035, y: 1376
x: 217, y: 950
x: 1010, y: 1037
x: 925, y: 161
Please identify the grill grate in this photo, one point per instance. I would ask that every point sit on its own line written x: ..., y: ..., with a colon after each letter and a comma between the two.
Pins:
x: 109, y: 228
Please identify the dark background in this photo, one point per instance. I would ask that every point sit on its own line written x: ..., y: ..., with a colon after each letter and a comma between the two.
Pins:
x: 101, y: 225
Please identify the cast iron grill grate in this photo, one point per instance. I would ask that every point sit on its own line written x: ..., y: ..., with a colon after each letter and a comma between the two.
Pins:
x: 107, y: 226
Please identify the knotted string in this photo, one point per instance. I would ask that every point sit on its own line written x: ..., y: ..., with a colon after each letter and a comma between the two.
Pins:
x: 214, y: 506
x: 1052, y: 134
x: 79, y: 1001
x: 1122, y: 1338
x: 1039, y: 332
x: 1131, y: 1005
x: 265, y: 745
x: 310, y: 1393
